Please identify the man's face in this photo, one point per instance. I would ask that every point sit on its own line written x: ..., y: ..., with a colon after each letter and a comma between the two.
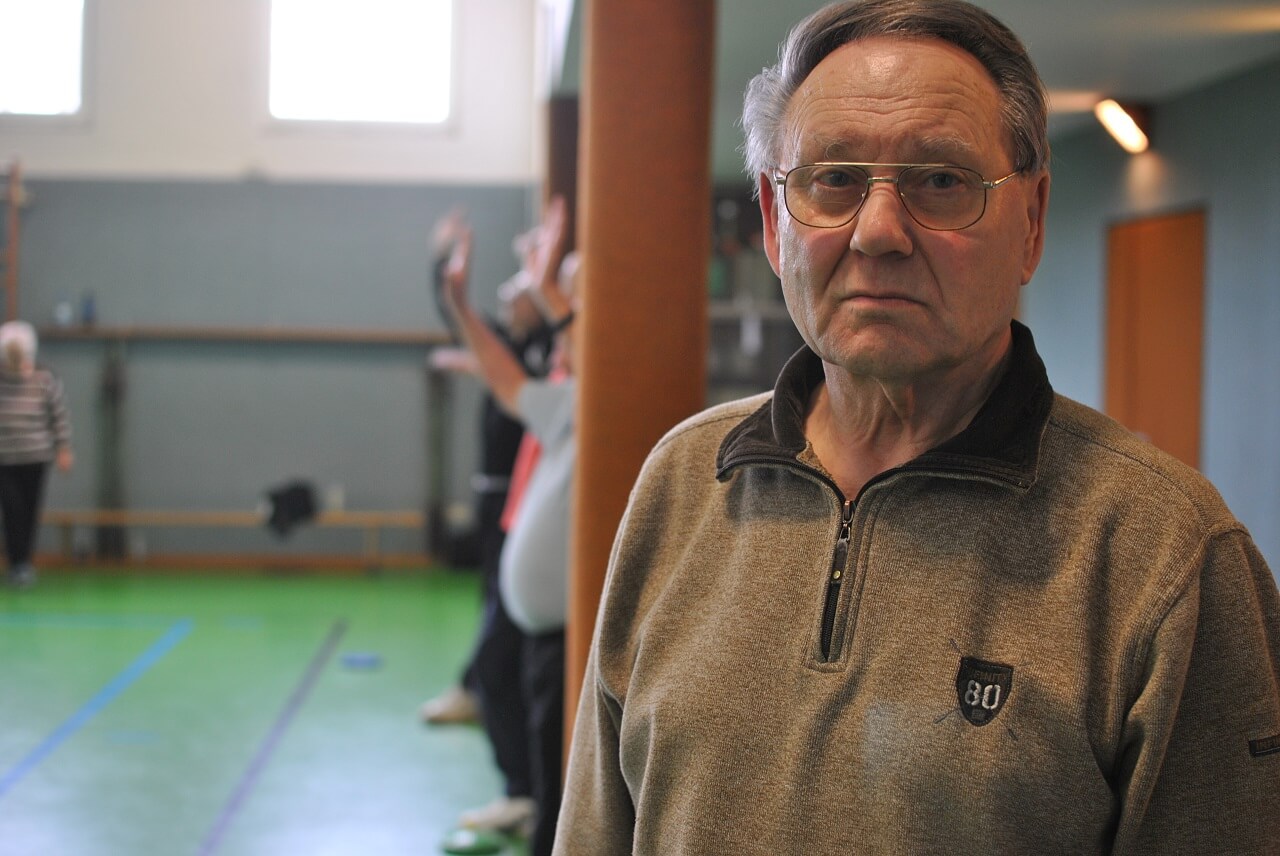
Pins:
x: 883, y: 296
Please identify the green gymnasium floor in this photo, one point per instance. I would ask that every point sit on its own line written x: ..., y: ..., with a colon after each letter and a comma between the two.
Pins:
x: 237, y: 715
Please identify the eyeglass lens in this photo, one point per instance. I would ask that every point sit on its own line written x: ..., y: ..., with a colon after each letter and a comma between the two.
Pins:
x: 936, y: 197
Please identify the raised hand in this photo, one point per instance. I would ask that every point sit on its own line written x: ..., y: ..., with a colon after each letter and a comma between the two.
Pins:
x: 544, y: 257
x: 448, y: 229
x: 457, y: 273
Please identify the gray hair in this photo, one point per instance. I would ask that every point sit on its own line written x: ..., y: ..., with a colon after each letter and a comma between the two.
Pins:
x: 1024, y: 104
x: 17, y: 343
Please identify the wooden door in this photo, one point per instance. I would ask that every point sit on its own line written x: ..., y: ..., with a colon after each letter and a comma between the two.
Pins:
x: 1155, y: 323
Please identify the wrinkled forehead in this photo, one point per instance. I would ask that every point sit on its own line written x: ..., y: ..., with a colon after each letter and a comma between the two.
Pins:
x: 927, y: 147
x: 896, y: 99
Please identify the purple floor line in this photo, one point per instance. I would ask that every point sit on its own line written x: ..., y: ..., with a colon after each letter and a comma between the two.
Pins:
x: 282, y: 722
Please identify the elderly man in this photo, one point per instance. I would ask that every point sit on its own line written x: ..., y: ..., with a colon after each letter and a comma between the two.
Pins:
x: 913, y: 601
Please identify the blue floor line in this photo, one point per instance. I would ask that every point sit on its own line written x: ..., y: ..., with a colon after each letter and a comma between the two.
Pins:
x: 105, y: 696
x: 88, y: 621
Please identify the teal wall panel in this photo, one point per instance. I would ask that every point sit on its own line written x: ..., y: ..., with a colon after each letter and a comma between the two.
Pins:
x: 213, y: 425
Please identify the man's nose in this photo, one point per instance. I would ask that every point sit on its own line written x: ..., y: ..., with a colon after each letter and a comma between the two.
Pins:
x: 882, y: 225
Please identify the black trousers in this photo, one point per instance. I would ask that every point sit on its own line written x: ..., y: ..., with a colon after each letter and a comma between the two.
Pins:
x: 21, y: 491
x: 496, y: 668
x: 496, y: 674
x: 544, y: 655
x: 519, y: 679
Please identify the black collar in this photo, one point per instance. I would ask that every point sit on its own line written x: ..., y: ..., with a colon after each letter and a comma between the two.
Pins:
x: 1002, y: 441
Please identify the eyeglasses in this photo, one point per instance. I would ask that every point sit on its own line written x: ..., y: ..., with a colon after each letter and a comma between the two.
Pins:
x: 937, y: 196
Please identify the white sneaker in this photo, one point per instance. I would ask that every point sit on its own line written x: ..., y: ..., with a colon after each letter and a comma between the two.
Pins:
x: 454, y: 705
x: 22, y: 576
x: 507, y: 814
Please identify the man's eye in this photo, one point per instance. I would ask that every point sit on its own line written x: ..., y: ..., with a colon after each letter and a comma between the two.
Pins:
x: 837, y: 179
x: 941, y: 179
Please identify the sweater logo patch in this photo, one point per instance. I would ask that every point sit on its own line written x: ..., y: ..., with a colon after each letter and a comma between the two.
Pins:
x: 1266, y: 746
x: 982, y: 689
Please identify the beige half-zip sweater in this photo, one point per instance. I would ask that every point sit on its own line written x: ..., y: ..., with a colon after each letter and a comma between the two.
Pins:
x: 1044, y: 636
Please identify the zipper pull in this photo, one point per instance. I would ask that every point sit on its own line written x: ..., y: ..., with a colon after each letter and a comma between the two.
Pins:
x: 833, y: 582
x: 842, y: 542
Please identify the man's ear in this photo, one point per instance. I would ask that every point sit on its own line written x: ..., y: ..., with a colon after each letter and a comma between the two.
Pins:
x: 1037, y: 209
x: 769, y: 201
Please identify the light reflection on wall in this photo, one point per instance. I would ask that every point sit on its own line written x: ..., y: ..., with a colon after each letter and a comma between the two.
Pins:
x: 1146, y: 181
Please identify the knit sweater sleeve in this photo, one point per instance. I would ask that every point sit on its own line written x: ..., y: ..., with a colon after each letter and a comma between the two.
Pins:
x: 597, y: 817
x: 1204, y: 732
x: 59, y: 416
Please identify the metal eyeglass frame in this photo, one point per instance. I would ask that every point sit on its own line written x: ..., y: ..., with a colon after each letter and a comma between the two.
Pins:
x: 781, y: 181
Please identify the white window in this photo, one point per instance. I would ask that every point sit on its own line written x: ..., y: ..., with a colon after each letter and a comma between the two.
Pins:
x: 41, y: 56
x: 361, y: 60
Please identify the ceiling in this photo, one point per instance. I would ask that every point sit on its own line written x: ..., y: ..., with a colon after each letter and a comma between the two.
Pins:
x: 1135, y: 50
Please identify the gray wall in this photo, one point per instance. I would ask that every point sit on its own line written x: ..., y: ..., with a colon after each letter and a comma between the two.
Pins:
x: 210, y: 425
x: 1214, y: 149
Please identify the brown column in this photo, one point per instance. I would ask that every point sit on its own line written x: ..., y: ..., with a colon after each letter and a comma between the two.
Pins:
x: 644, y: 230
x: 563, y: 162
x: 13, y: 239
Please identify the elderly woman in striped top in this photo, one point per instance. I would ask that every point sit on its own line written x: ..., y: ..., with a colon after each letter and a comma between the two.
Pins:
x: 34, y: 431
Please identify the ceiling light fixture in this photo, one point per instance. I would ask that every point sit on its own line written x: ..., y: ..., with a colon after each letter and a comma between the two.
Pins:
x: 1127, y: 124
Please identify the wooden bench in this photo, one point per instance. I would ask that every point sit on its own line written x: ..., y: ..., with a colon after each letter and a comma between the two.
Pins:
x: 372, y: 522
